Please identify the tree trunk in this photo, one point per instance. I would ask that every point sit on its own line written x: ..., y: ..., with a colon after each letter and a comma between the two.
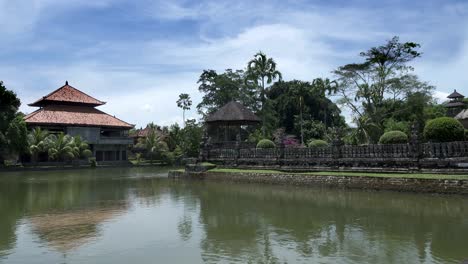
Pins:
x: 262, y: 95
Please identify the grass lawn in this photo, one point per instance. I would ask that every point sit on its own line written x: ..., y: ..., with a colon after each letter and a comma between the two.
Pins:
x: 366, y: 174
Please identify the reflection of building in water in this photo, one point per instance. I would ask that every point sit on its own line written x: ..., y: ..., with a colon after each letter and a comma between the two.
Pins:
x: 65, y: 231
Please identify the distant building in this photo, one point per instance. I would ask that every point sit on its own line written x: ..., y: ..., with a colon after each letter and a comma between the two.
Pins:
x: 73, y: 112
x: 455, y: 103
x: 143, y: 132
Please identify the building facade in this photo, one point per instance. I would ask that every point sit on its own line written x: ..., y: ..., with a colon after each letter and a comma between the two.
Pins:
x: 73, y: 112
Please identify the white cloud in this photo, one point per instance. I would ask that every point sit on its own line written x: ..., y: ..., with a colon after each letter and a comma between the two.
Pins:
x: 141, y: 80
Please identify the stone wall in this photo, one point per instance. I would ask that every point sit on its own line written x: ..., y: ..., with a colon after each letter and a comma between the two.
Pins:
x: 352, y: 182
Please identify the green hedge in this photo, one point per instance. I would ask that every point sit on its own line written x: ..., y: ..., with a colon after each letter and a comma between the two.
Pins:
x: 444, y: 129
x: 393, y: 137
x: 266, y: 143
x: 317, y: 143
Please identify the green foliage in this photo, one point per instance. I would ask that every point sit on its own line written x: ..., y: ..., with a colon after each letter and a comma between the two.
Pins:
x: 393, y: 137
x: 16, y: 135
x: 444, y: 129
x: 466, y: 134
x: 317, y: 143
x: 255, y: 136
x: 312, y: 129
x: 262, y: 70
x: 381, y: 87
x: 37, y: 142
x: 152, y: 144
x: 392, y: 125
x: 220, y: 89
x: 60, y: 147
x: 184, y: 102
x: 190, y: 138
x: 80, y: 148
x: 92, y: 162
x: 9, y: 104
x: 266, y: 143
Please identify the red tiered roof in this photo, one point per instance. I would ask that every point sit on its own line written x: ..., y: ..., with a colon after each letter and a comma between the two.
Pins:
x: 67, y: 95
x: 74, y: 116
x: 68, y: 106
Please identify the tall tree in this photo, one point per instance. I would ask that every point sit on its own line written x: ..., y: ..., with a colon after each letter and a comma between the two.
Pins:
x: 220, y: 89
x: 262, y: 70
x: 364, y: 86
x: 9, y: 104
x: 184, y: 103
x: 16, y: 135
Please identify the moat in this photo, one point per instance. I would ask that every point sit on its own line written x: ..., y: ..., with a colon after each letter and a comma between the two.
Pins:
x: 138, y: 215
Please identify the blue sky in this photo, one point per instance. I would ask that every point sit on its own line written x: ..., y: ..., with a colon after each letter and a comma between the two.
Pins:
x: 140, y: 55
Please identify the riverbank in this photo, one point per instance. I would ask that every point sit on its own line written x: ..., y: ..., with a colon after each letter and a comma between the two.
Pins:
x: 414, y: 182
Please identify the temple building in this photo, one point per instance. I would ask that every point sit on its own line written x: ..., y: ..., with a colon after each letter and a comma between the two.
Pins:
x: 73, y: 112
x: 455, y: 103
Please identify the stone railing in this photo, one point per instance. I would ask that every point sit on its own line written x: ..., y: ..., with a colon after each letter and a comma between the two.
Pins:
x: 450, y: 154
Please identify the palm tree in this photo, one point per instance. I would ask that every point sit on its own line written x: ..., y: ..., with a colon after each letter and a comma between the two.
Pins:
x: 184, y: 102
x: 152, y: 143
x: 36, y: 142
x: 80, y: 148
x: 324, y: 87
x: 300, y: 91
x: 60, y: 147
x: 261, y: 69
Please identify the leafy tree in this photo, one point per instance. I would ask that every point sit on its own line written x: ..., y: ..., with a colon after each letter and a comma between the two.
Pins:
x: 80, y: 148
x: 37, y: 142
x: 363, y: 87
x: 60, y: 147
x: 263, y: 71
x: 184, y: 103
x: 9, y: 104
x: 220, y: 89
x: 190, y: 138
x: 16, y: 135
x: 153, y: 144
x: 316, y: 106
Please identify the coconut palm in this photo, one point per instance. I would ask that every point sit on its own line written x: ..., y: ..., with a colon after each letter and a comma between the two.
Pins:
x: 80, y: 148
x: 37, y: 142
x: 60, y: 147
x: 262, y: 69
x: 152, y: 143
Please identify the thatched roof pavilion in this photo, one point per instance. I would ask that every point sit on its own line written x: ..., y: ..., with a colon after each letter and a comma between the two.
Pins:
x: 227, y: 122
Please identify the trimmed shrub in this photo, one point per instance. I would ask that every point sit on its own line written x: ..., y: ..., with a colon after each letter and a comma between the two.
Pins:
x: 265, y: 143
x: 444, y: 129
x: 393, y: 137
x: 92, y: 162
x: 317, y: 143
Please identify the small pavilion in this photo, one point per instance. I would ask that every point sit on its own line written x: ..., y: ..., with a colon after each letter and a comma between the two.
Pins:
x: 231, y: 121
x: 455, y: 103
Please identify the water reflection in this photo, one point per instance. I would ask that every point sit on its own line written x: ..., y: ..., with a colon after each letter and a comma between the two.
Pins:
x: 218, y: 222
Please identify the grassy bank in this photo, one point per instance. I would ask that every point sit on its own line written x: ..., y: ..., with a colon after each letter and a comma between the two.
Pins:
x: 362, y: 174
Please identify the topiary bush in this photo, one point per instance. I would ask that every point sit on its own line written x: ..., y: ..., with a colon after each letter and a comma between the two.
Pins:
x: 266, y: 143
x: 393, y: 137
x: 444, y: 129
x: 317, y: 143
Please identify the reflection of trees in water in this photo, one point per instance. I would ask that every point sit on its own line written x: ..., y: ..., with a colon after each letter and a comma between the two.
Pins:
x: 324, y: 223
x: 185, y: 227
x: 68, y: 204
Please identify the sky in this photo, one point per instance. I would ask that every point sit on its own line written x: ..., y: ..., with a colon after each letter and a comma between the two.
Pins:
x: 139, y: 55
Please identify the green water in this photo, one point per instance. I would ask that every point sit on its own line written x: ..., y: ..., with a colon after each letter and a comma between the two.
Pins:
x: 136, y: 215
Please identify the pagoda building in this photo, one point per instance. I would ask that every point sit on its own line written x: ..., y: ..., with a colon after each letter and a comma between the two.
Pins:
x: 455, y: 103
x: 73, y: 112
